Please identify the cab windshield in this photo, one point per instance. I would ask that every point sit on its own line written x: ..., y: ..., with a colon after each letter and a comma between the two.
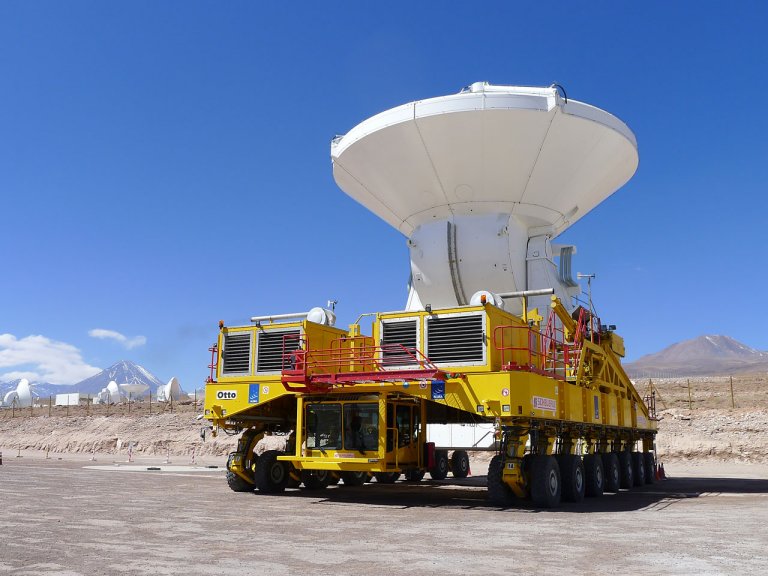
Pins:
x: 359, y: 421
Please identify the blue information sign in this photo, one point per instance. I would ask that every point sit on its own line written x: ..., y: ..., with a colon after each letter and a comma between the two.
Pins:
x: 438, y: 389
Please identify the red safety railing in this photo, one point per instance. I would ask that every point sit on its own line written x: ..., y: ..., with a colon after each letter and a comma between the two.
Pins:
x: 214, y: 365
x: 350, y: 361
x: 587, y: 327
x: 523, y: 348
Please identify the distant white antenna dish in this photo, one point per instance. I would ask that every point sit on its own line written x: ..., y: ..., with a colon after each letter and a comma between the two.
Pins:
x: 322, y: 316
x: 21, y: 397
x: 11, y: 398
x: 170, y: 392
x: 109, y: 395
x: 134, y: 389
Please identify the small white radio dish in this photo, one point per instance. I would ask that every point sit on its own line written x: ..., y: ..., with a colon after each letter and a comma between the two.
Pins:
x: 321, y: 316
x: 134, y: 389
x: 169, y: 392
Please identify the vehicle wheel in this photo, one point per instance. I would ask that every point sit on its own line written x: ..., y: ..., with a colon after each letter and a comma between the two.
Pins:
x: 498, y: 491
x: 625, y: 469
x: 387, y: 477
x: 440, y: 471
x: 315, y: 479
x: 354, y: 478
x: 546, y: 487
x: 638, y: 468
x: 271, y: 475
x: 594, y: 479
x: 414, y: 475
x: 460, y: 464
x: 650, y: 468
x: 612, y: 471
x: 237, y: 484
x: 294, y: 477
x: 572, y: 477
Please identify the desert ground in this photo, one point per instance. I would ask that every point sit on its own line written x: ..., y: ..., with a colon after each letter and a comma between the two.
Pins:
x: 72, y: 503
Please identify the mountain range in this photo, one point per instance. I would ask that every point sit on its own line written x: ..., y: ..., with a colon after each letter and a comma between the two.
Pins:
x: 709, y: 355
x: 122, y: 372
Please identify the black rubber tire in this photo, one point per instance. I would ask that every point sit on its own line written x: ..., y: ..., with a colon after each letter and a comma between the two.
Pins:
x: 271, y: 475
x: 650, y: 468
x: 387, y: 477
x: 638, y: 468
x: 612, y: 471
x: 572, y: 477
x: 414, y: 475
x: 237, y: 484
x: 594, y: 476
x: 294, y: 477
x: 460, y: 464
x: 354, y: 478
x: 499, y: 492
x: 315, y: 479
x: 626, y: 469
x: 440, y: 470
x: 546, y: 485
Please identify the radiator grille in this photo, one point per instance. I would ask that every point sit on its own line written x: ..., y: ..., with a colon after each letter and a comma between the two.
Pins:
x: 455, y: 339
x: 402, y: 332
x: 269, y: 356
x: 237, y: 353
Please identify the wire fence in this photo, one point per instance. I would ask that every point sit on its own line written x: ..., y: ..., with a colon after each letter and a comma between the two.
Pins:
x: 712, y: 392
x: 89, y: 404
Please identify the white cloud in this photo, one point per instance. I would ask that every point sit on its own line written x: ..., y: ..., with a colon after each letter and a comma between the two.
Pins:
x: 41, y: 359
x: 129, y: 343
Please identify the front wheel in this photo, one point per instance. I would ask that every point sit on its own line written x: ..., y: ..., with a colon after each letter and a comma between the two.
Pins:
x: 271, y: 474
x: 315, y: 479
x: 237, y: 484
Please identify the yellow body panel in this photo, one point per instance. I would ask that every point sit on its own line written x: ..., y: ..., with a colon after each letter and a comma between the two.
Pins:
x: 535, y: 393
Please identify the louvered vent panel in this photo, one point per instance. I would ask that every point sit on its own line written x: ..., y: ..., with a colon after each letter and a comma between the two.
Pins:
x: 237, y: 353
x: 403, y: 333
x: 455, y: 340
x: 269, y: 356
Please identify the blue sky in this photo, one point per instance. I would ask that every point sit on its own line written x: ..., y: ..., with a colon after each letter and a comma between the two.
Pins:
x: 164, y: 165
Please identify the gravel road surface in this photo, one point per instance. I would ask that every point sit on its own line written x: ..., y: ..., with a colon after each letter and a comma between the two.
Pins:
x: 74, y: 517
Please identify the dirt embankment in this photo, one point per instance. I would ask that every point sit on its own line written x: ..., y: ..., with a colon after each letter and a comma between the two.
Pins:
x: 695, y: 426
x: 177, y: 432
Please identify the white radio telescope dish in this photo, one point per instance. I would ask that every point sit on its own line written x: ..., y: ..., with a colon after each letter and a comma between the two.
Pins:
x: 134, y: 389
x: 170, y: 391
x: 21, y: 397
x: 481, y: 181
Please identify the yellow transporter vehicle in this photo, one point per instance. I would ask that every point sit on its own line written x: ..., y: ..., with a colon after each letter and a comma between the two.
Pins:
x: 481, y: 183
x: 569, y: 422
